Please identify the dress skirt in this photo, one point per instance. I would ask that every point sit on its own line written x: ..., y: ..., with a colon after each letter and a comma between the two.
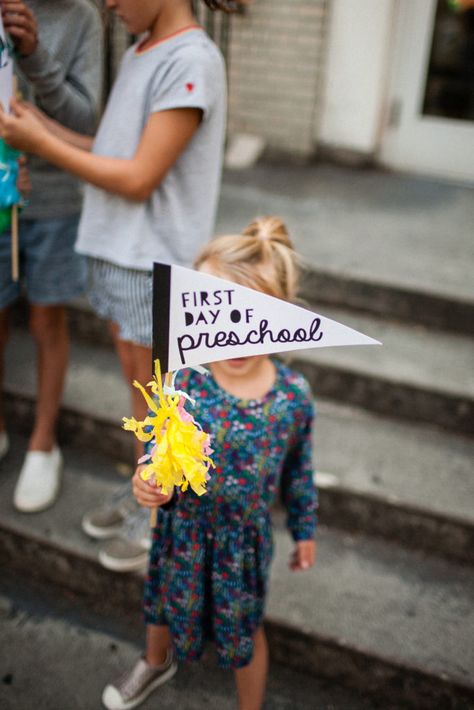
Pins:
x: 208, y: 582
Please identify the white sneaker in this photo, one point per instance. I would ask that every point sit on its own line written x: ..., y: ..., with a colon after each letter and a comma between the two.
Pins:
x: 38, y: 484
x: 4, y: 444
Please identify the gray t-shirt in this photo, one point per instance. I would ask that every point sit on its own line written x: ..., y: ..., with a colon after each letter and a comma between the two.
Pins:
x: 186, y: 70
x: 63, y: 77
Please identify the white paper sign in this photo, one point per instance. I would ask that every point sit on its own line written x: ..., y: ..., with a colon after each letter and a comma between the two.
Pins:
x: 200, y: 318
x: 6, y: 70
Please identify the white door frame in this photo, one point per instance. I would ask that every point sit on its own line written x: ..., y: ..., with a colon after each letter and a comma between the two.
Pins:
x: 428, y: 145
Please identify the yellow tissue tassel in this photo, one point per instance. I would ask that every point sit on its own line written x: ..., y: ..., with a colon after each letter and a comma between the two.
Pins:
x: 180, y: 456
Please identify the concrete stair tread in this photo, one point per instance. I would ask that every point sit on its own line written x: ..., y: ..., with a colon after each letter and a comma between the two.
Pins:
x: 414, y: 467
x: 398, y: 230
x: 379, y: 599
x: 411, y: 355
x: 48, y: 631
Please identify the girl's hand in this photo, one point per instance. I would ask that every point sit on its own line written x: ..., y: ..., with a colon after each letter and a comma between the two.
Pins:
x: 22, y: 129
x: 146, y: 493
x: 304, y: 555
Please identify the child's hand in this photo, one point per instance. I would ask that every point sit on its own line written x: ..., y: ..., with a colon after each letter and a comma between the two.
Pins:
x: 20, y: 23
x: 146, y: 493
x: 304, y: 555
x: 22, y: 129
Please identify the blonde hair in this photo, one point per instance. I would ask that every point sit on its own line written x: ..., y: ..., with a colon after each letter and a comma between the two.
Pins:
x: 262, y: 257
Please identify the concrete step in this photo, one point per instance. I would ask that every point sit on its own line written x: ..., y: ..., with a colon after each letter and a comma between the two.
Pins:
x: 417, y: 373
x: 371, y: 615
x: 394, y: 245
x: 52, y: 641
x: 387, y: 478
x: 390, y: 478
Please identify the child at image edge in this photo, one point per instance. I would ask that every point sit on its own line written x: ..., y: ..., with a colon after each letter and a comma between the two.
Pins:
x: 154, y: 174
x: 210, y: 555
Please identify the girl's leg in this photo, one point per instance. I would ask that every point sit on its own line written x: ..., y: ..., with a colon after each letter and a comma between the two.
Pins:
x: 136, y: 362
x: 252, y: 679
x: 158, y: 642
x: 49, y: 328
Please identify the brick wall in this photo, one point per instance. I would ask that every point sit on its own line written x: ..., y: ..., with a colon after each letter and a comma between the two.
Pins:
x: 276, y: 55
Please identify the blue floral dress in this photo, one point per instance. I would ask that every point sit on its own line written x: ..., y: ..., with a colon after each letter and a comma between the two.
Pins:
x: 210, y: 555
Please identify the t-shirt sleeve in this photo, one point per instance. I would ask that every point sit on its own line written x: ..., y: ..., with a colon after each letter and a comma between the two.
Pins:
x: 298, y: 491
x: 187, y: 82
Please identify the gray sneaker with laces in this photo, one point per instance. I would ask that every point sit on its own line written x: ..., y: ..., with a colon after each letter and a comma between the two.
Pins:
x: 122, y: 555
x: 134, y: 686
x: 107, y: 521
x: 129, y: 551
x: 120, y: 515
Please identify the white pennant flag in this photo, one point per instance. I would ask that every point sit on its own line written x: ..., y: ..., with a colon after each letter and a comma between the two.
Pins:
x: 198, y: 318
x: 6, y: 70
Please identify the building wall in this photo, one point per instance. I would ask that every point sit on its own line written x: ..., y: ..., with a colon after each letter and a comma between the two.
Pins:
x: 276, y: 62
x: 358, y: 54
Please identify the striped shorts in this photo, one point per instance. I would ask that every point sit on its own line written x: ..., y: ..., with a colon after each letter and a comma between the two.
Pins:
x: 123, y: 296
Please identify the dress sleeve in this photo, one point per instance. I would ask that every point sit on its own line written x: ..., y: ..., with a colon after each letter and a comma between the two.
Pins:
x: 298, y: 491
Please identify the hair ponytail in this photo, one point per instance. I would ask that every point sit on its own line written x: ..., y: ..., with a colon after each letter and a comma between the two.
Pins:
x: 262, y: 257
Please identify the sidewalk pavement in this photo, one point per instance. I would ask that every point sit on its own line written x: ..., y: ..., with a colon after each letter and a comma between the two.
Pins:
x: 403, y: 231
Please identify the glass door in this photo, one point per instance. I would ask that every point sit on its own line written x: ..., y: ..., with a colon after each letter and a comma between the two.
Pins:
x: 430, y: 122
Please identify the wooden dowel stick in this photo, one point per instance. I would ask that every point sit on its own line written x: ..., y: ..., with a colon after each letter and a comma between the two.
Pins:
x: 14, y: 240
x: 153, y: 517
x: 154, y: 511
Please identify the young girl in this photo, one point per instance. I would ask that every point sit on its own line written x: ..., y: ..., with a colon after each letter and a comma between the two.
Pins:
x: 210, y: 555
x: 154, y: 174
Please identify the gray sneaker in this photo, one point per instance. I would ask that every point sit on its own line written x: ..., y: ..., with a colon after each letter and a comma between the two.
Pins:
x: 134, y: 686
x: 107, y: 521
x: 122, y: 555
x: 103, y: 523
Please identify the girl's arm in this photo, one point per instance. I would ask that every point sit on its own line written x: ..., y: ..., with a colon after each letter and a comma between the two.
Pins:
x: 165, y: 136
x: 57, y: 129
x: 299, y: 493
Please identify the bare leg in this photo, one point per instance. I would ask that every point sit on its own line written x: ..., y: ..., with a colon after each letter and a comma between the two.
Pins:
x: 158, y: 642
x: 136, y: 362
x: 4, y: 331
x: 251, y: 679
x: 49, y: 329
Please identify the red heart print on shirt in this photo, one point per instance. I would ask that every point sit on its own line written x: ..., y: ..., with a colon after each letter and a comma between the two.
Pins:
x: 189, y: 86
